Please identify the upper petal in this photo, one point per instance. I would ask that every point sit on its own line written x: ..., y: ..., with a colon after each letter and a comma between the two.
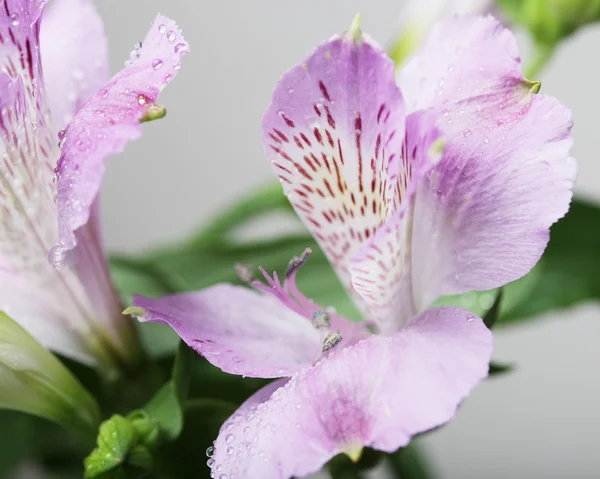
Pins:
x: 334, y: 133
x: 378, y: 393
x: 27, y: 146
x: 482, y: 216
x: 109, y: 120
x: 74, y: 52
x: 238, y: 330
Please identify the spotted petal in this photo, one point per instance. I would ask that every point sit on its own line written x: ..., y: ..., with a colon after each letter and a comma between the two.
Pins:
x: 238, y: 330
x: 382, y: 270
x: 378, y: 393
x: 482, y: 217
x: 27, y: 222
x: 74, y: 56
x: 109, y: 120
x: 334, y: 133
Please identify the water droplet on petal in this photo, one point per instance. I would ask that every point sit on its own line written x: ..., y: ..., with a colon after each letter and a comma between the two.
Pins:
x: 168, y: 77
x: 210, y: 462
x: 181, y: 48
x: 141, y: 99
x: 14, y: 19
x: 56, y: 256
x: 229, y: 438
x: 171, y: 36
x: 210, y: 451
x: 162, y: 28
x: 486, y: 140
x: 466, y: 133
x: 176, y: 66
x: 157, y: 63
x: 230, y: 450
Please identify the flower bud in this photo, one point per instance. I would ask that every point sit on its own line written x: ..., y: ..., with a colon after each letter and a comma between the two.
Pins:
x: 549, y: 21
x: 34, y: 381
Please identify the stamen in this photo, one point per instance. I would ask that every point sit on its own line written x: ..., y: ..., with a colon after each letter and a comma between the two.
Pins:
x: 245, y: 272
x: 321, y: 319
x: 296, y: 262
x: 331, y: 340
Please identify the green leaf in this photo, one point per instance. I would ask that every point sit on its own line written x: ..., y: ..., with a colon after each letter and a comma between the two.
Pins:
x: 409, y: 463
x: 140, y: 456
x: 115, y: 439
x: 490, y: 318
x: 166, y: 407
x: 568, y: 271
x: 185, y: 458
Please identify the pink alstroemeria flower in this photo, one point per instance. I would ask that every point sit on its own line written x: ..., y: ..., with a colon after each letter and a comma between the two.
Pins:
x: 402, y: 223
x: 54, y: 72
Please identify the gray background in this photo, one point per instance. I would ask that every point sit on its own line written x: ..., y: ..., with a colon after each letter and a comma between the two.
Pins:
x: 541, y: 421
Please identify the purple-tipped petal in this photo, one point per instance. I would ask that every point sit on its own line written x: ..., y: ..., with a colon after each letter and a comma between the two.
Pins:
x: 482, y: 217
x: 381, y: 270
x: 238, y: 330
x: 109, y: 120
x: 74, y: 56
x: 334, y: 133
x: 378, y: 393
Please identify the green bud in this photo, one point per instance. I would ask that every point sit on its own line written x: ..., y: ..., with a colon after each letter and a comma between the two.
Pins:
x: 549, y: 21
x: 154, y: 112
x: 146, y: 428
x: 34, y: 381
x: 116, y: 438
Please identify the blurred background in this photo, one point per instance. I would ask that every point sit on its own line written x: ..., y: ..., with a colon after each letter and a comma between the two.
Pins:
x: 541, y: 420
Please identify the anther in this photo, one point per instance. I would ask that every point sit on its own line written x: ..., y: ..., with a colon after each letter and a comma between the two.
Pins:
x: 321, y: 319
x: 296, y: 262
x: 244, y: 272
x: 331, y: 340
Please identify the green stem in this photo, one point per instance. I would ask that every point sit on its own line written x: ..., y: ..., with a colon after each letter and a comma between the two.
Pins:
x: 266, y: 199
x: 542, y: 53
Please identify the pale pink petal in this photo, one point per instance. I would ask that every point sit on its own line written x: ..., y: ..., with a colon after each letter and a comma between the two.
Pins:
x: 482, y: 217
x: 47, y: 314
x: 109, y: 120
x: 378, y: 393
x: 238, y: 330
x: 74, y: 52
x: 381, y: 270
x: 334, y: 134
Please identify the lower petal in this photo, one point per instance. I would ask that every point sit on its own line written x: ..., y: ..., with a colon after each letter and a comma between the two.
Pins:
x: 237, y: 329
x: 378, y: 393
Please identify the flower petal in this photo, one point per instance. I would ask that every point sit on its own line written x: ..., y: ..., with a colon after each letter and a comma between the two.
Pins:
x: 46, y: 313
x: 74, y: 56
x: 109, y: 120
x: 378, y: 393
x: 381, y: 270
x: 482, y: 217
x: 334, y: 133
x: 238, y: 330
x: 27, y: 149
